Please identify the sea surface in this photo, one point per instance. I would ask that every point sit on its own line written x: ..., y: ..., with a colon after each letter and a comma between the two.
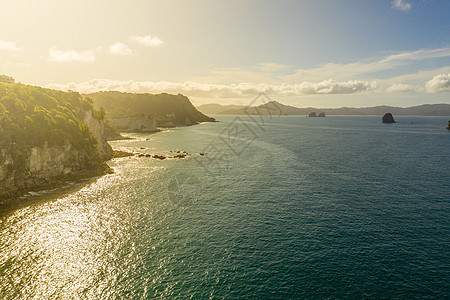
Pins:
x: 278, y: 207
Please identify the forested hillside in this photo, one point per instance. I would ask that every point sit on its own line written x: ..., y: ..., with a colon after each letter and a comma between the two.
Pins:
x: 166, y: 108
x: 35, y: 121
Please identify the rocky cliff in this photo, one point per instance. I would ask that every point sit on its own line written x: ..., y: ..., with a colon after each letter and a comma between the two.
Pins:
x: 97, y: 128
x: 140, y: 123
x: 137, y: 112
x: 387, y: 118
x: 47, y: 136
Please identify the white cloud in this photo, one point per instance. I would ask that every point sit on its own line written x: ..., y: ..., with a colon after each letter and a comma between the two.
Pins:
x: 272, y: 67
x: 420, y: 54
x: 121, y: 49
x: 241, y: 83
x: 196, y: 89
x: 147, y: 40
x: 356, y: 69
x: 57, y: 55
x: 400, y: 88
x: 10, y: 46
x: 401, y: 5
x: 439, y: 83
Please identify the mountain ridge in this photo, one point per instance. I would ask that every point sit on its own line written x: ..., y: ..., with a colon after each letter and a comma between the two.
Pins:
x: 274, y: 107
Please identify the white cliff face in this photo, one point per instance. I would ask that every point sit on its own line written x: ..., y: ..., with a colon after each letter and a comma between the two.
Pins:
x: 52, y: 161
x: 98, y: 130
x: 143, y: 123
x: 4, y: 163
x: 43, y: 165
x: 46, y: 164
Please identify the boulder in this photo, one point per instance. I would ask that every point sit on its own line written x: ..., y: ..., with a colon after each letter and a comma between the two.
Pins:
x: 159, y: 156
x: 321, y: 115
x: 388, y: 118
x: 312, y: 115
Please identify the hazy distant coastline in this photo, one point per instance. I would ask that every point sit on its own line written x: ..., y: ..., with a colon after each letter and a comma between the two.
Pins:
x: 276, y: 108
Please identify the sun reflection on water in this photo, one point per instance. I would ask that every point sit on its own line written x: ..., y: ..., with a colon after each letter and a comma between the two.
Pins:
x: 68, y: 247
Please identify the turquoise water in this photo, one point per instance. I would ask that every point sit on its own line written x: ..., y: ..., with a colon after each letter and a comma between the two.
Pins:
x: 281, y: 207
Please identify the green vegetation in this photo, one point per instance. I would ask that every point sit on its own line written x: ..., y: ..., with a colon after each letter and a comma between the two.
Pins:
x: 8, y: 79
x: 33, y: 116
x: 165, y: 107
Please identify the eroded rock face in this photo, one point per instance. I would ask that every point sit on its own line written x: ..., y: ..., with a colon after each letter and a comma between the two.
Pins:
x: 97, y: 127
x: 47, y: 164
x: 143, y: 123
x: 388, y: 118
x: 42, y: 166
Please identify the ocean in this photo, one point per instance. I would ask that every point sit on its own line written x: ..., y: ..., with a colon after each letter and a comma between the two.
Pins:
x: 262, y: 207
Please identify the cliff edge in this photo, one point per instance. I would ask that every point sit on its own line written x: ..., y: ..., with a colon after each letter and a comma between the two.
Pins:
x: 146, y: 112
x: 47, y: 136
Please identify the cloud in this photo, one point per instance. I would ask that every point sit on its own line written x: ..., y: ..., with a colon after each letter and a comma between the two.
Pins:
x: 400, y: 88
x: 121, y: 49
x: 196, y: 89
x: 147, y: 40
x: 356, y: 69
x: 57, y: 55
x: 401, y: 5
x: 10, y: 46
x: 272, y: 67
x: 420, y: 54
x: 439, y: 83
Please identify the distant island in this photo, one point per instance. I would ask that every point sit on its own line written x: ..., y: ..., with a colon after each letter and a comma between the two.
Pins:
x: 388, y: 118
x: 276, y: 108
x: 314, y: 115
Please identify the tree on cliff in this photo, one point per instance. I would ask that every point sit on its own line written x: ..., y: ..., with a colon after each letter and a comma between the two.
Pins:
x: 32, y: 116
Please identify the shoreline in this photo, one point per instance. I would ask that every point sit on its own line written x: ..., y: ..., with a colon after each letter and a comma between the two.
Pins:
x: 60, y: 181
x: 66, y: 184
x: 21, y: 197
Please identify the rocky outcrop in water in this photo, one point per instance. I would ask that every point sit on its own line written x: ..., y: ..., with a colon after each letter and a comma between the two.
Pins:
x: 312, y: 115
x: 388, y: 118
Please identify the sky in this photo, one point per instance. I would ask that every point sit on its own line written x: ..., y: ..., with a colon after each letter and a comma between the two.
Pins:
x: 320, y: 53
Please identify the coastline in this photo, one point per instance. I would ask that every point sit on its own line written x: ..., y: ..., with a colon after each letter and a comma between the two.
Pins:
x: 24, y: 197
x: 62, y: 182
x: 65, y: 184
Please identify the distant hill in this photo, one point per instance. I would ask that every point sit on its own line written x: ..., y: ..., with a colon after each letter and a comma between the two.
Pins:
x: 164, y: 108
x: 277, y: 108
x: 218, y: 109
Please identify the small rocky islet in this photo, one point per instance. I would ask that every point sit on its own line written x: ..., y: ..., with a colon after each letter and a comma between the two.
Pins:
x: 388, y: 118
x: 174, y: 154
x: 314, y: 115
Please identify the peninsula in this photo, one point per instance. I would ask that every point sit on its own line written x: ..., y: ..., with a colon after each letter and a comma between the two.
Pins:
x: 146, y: 112
x: 49, y: 136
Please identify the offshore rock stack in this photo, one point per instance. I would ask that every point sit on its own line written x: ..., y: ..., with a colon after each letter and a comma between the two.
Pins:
x: 388, y: 118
